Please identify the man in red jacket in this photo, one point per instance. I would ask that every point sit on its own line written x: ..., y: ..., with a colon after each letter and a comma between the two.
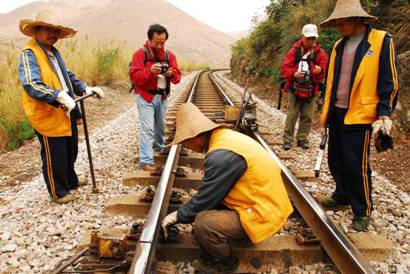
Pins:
x: 303, y: 69
x: 152, y: 70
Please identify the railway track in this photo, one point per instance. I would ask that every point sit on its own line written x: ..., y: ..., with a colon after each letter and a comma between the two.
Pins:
x: 135, y: 251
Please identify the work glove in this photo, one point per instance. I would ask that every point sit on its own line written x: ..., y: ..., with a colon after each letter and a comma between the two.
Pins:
x: 381, y: 134
x: 169, y: 220
x: 66, y: 101
x: 98, y: 91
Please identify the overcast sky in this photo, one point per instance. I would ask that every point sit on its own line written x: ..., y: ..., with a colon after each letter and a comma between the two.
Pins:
x: 224, y: 15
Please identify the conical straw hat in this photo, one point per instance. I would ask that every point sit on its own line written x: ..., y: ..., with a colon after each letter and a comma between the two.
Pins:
x: 347, y: 9
x: 191, y: 122
x: 45, y: 18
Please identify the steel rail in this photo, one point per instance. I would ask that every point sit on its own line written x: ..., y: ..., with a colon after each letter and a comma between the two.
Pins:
x: 343, y: 253
x: 225, y: 97
x: 146, y: 246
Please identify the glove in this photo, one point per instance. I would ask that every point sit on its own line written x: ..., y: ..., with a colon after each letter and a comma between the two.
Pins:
x: 64, y: 99
x: 381, y: 134
x: 170, y: 219
x: 98, y: 91
x: 382, y: 125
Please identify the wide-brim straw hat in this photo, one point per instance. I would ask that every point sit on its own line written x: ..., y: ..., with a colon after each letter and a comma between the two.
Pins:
x: 190, y: 122
x: 45, y: 19
x: 347, y: 9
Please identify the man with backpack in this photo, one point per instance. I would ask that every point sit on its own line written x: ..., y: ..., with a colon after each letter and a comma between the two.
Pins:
x: 152, y: 70
x: 303, y: 68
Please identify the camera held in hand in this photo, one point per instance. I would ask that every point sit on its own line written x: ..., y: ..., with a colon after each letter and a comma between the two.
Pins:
x: 164, y: 68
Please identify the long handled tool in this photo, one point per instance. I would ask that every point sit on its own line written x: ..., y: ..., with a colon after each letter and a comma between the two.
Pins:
x: 87, y: 139
x: 320, y: 154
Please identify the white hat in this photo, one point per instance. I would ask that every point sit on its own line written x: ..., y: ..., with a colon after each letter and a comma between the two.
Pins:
x: 310, y: 30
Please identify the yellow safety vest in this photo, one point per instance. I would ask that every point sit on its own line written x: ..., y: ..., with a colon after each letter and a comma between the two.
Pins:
x: 363, y: 96
x: 259, y: 196
x: 44, y: 118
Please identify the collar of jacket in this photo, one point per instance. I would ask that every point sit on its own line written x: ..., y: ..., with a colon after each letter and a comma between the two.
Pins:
x: 60, y: 63
x: 155, y: 55
x: 298, y: 45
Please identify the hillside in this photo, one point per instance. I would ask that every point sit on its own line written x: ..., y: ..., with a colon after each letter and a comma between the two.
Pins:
x: 128, y: 20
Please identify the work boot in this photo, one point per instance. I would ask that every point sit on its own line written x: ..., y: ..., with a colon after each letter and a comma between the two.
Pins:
x: 65, y: 199
x: 330, y: 202
x: 287, y: 145
x: 303, y: 144
x: 148, y: 167
x: 210, y: 265
x: 361, y: 223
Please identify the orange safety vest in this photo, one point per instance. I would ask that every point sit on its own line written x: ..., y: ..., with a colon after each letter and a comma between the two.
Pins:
x: 363, y: 96
x: 259, y: 196
x: 47, y: 120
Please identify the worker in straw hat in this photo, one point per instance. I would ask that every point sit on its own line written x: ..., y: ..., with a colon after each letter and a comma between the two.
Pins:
x: 361, y: 93
x: 241, y: 197
x: 48, y: 85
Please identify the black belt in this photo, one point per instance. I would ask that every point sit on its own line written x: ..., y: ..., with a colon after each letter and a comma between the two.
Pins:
x: 160, y: 91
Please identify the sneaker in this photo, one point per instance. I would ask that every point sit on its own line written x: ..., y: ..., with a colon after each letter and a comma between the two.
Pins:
x: 303, y: 144
x: 361, y: 223
x: 148, y: 167
x: 209, y: 265
x: 65, y: 199
x: 287, y: 145
x: 330, y: 202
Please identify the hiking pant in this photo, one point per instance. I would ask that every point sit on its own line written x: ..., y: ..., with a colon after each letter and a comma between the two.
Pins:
x: 58, y: 155
x: 296, y: 106
x: 215, y: 229
x: 152, y: 127
x: 348, y: 158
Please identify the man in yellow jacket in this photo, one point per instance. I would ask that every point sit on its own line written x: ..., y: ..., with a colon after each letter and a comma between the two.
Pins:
x: 241, y: 197
x: 49, y: 85
x: 361, y: 93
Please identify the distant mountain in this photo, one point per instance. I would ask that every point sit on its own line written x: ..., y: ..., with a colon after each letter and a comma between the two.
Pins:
x: 129, y: 20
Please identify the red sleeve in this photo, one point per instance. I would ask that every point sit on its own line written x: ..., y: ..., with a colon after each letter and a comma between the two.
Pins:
x: 176, y: 75
x: 288, y: 66
x: 139, y: 74
x: 322, y: 60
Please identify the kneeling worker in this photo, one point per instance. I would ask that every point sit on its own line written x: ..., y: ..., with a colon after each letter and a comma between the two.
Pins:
x: 241, y: 197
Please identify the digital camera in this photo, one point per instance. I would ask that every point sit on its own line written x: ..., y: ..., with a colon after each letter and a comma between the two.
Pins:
x: 164, y: 68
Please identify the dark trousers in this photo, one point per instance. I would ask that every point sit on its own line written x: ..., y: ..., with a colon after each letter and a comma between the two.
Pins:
x: 58, y: 155
x: 348, y: 157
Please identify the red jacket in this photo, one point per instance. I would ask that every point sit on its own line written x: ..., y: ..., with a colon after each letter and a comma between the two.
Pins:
x: 143, y: 78
x: 289, y: 65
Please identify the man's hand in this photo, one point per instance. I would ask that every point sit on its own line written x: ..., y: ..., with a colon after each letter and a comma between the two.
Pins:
x: 317, y: 70
x: 169, y: 72
x: 383, y: 124
x: 156, y: 68
x: 64, y: 99
x: 95, y: 90
x: 299, y: 75
x: 170, y: 219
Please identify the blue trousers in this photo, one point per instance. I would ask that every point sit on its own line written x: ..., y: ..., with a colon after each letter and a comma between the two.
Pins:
x: 152, y: 127
x: 348, y: 158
